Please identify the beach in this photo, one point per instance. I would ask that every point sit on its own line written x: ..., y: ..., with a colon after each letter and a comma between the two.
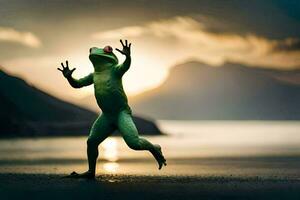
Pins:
x: 211, y: 160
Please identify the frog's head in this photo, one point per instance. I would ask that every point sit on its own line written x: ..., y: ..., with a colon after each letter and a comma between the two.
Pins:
x: 105, y: 55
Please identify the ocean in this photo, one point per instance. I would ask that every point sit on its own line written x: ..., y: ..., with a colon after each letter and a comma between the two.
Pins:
x: 202, y: 148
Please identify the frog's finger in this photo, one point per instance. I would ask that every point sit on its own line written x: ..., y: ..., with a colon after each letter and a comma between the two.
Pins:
x: 72, y: 70
x: 59, y: 69
x: 67, y: 66
x: 129, y: 45
x: 119, y: 51
x: 126, y: 43
x: 122, y: 43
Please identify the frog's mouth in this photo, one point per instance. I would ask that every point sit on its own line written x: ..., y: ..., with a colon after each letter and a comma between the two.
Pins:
x: 97, y: 54
x: 102, y: 56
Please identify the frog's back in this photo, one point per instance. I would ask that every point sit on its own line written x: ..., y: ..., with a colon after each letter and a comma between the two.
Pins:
x: 109, y: 91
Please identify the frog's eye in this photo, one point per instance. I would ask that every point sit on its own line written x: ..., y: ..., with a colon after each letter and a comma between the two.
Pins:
x: 108, y: 49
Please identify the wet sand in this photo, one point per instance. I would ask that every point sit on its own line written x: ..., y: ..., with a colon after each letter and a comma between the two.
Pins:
x: 51, y: 186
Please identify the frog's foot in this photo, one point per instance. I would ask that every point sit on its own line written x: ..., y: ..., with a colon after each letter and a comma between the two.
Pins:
x: 87, y: 175
x: 157, y: 153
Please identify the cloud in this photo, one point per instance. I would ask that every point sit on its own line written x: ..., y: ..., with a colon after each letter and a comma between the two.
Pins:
x: 25, y: 38
x: 290, y: 44
x: 130, y: 31
x: 210, y: 47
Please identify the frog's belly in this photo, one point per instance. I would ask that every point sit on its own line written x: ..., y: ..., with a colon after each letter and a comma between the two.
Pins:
x: 110, y: 99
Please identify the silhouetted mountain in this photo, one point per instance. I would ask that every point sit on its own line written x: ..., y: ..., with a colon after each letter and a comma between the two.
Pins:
x: 231, y: 92
x: 28, y: 111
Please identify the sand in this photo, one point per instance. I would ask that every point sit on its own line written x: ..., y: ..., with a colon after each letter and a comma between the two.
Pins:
x: 54, y: 186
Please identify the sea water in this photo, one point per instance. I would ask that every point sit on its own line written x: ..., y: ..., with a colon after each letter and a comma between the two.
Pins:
x: 228, y: 148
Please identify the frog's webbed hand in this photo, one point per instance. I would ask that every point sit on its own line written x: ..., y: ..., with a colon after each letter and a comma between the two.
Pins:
x: 67, y: 72
x: 126, y: 48
x: 125, y: 51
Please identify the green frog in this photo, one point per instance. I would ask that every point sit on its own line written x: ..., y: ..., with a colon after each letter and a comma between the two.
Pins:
x: 112, y: 100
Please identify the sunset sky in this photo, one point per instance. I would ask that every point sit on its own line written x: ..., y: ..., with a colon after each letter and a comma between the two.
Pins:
x: 35, y: 36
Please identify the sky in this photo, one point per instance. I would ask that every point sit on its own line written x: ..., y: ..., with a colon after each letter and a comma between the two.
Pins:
x: 36, y: 36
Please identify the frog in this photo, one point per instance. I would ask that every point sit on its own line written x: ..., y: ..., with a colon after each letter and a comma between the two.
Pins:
x: 112, y: 100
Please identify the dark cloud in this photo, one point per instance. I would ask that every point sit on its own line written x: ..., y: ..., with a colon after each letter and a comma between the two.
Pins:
x: 63, y: 25
x: 270, y: 18
x: 292, y: 44
x: 58, y: 22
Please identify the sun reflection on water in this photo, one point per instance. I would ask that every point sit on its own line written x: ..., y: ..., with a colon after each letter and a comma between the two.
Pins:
x: 110, y: 153
x: 111, y: 167
x: 110, y: 150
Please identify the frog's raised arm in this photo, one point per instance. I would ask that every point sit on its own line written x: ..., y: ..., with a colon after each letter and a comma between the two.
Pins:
x: 122, y: 68
x: 78, y: 83
x: 85, y: 81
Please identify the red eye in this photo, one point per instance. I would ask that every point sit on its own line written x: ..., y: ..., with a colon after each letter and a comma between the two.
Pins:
x: 108, y: 49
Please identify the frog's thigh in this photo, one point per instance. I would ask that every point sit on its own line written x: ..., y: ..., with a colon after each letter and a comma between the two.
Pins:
x: 130, y: 133
x: 100, y: 130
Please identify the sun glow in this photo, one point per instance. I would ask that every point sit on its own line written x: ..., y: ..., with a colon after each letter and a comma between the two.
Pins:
x: 110, y: 150
x: 110, y: 153
x: 111, y: 167
x: 145, y: 72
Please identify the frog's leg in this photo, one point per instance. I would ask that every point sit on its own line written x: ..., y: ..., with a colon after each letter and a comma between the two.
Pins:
x: 130, y: 134
x: 100, y: 130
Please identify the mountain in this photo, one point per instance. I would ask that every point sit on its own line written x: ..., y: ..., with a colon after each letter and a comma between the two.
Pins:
x: 196, y: 91
x: 28, y: 111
